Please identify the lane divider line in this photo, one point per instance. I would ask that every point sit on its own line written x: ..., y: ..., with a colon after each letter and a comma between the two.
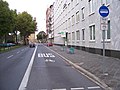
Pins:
x: 24, y: 82
x: 78, y: 88
x: 10, y: 56
x: 95, y: 87
x: 18, y: 52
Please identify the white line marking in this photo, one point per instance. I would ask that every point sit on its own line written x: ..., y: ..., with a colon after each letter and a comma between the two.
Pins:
x: 77, y: 88
x: 49, y: 60
x: 18, y: 52
x: 59, y: 89
x: 95, y: 87
x: 10, y: 56
x: 39, y: 55
x: 45, y: 55
x: 22, y: 50
x: 27, y: 73
x: 51, y: 55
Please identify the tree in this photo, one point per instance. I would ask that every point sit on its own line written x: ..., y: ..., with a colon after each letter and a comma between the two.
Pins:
x: 14, y: 19
x: 41, y: 36
x: 25, y: 24
x: 5, y: 19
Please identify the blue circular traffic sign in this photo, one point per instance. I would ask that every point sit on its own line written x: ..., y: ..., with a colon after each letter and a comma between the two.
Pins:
x: 103, y: 11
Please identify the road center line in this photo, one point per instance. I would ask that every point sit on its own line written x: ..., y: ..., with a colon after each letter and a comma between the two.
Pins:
x: 10, y: 56
x: 24, y: 82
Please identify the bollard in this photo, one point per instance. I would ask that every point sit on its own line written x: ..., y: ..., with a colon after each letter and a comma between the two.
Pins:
x: 71, y: 50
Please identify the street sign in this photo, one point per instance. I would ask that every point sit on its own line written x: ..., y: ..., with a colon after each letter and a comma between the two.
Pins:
x: 104, y: 23
x: 103, y: 11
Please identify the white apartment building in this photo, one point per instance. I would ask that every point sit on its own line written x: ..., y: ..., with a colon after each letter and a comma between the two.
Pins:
x: 81, y: 21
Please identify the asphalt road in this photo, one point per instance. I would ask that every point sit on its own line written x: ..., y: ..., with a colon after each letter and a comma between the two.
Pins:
x: 51, y: 72
x: 13, y: 65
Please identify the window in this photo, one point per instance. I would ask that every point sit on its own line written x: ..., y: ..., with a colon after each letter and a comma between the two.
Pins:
x: 77, y: 16
x: 68, y: 7
x: 92, y: 32
x: 73, y: 20
x: 73, y: 36
x: 68, y: 22
x: 83, y: 15
x: 69, y: 36
x: 105, y: 2
x: 76, y: 2
x: 78, y: 35
x: 91, y: 6
x: 83, y: 34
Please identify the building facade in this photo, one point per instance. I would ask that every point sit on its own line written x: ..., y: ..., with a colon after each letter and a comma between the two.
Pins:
x: 49, y: 23
x: 81, y: 22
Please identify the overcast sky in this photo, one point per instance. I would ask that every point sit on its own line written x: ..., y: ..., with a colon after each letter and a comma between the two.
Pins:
x: 37, y: 8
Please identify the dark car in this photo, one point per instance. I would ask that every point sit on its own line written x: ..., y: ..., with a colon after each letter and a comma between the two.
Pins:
x: 32, y: 45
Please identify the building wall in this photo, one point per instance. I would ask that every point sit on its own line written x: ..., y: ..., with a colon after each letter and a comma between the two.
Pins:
x: 32, y: 37
x: 63, y: 21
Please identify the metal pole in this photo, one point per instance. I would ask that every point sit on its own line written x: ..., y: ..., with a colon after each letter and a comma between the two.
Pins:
x: 104, y: 66
x: 103, y: 43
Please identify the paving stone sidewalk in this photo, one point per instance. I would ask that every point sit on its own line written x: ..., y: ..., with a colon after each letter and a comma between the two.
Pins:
x: 95, y: 64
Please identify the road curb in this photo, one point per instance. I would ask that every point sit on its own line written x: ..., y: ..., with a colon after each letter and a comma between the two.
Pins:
x: 85, y: 72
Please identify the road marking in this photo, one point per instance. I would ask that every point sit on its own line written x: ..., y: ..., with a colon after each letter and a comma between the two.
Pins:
x: 22, y: 50
x: 10, y: 56
x: 95, y: 87
x: 40, y: 55
x: 45, y: 55
x: 18, y: 52
x: 51, y: 55
x: 24, y: 82
x: 77, y: 88
x: 49, y: 60
x: 59, y: 89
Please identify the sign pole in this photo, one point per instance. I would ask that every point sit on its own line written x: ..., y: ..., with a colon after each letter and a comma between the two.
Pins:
x: 104, y: 12
x: 103, y: 43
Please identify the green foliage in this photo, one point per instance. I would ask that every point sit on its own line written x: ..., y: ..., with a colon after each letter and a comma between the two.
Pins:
x: 11, y: 22
x: 41, y: 35
x: 5, y: 18
x: 25, y: 24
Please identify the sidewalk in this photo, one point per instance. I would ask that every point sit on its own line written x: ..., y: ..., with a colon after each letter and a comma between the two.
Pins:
x: 96, y: 65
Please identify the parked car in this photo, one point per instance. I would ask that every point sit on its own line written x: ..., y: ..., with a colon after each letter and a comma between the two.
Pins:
x: 49, y: 44
x: 7, y: 44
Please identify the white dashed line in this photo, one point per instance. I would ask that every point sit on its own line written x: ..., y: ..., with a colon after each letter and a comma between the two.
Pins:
x: 96, y: 87
x: 59, y: 89
x: 10, y: 56
x: 18, y: 52
x: 49, y: 60
x: 22, y: 50
x: 77, y: 88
